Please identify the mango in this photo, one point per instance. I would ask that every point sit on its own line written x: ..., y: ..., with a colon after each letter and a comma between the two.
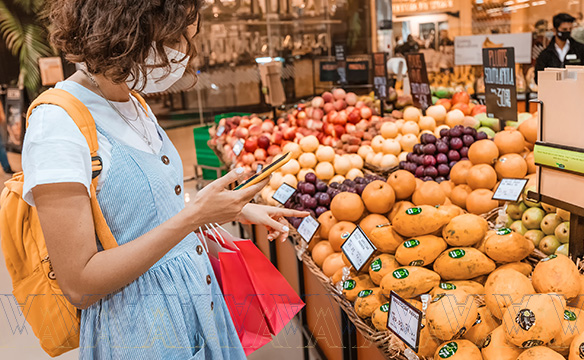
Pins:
x: 409, y: 281
x: 352, y: 287
x: 385, y: 238
x: 465, y: 230
x: 507, y: 246
x: 483, y: 326
x: 462, y: 263
x: 557, y: 274
x: 452, y: 314
x: 496, y: 347
x: 469, y: 286
x: 577, y: 348
x: 506, y: 287
x: 367, y: 301
x: 420, y: 251
x: 458, y: 350
x: 572, y: 326
x: 522, y: 267
x: 428, y: 343
x: 379, y: 317
x: 540, y: 353
x: 420, y: 220
x: 381, y: 266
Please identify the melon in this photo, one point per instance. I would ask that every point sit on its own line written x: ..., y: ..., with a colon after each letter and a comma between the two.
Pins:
x: 386, y: 239
x: 481, y: 176
x: 509, y: 141
x: 340, y: 232
x: 459, y: 172
x: 429, y: 193
x: 403, y: 184
x: 347, y: 206
x: 496, y: 347
x: 511, y: 166
x: 332, y: 263
x: 505, y: 246
x: 409, y: 281
x: 381, y: 266
x: 378, y: 197
x: 540, y: 353
x: 557, y: 274
x: 451, y: 314
x: 420, y: 251
x: 505, y: 287
x: 483, y: 326
x: 321, y: 251
x: 371, y: 221
x: 465, y: 230
x: 353, y: 286
x: 483, y: 152
x: 463, y: 263
x: 459, y: 194
x: 458, y: 350
x: 367, y: 301
x: 480, y: 201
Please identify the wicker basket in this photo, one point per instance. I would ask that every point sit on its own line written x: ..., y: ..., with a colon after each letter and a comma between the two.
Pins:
x: 380, y: 171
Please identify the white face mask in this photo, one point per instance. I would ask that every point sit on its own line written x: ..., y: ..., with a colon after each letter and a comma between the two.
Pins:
x: 157, y: 79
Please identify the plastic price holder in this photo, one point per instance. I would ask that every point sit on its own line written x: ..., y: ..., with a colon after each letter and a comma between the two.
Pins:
x: 357, y: 248
x: 308, y: 227
x: 284, y: 193
x: 510, y: 189
x: 221, y: 130
x: 403, y: 319
x: 238, y: 147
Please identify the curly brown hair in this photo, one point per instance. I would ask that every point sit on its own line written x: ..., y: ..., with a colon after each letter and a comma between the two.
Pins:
x: 114, y: 38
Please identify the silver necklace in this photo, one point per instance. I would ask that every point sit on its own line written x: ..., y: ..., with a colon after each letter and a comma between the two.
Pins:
x: 144, y: 135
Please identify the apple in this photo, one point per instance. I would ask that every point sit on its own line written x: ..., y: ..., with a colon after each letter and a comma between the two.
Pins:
x: 277, y: 138
x: 290, y: 133
x: 327, y: 97
x: 359, y: 105
x: 464, y: 107
x: 339, y: 130
x: 366, y: 112
x: 445, y: 102
x: 247, y: 158
x: 268, y: 126
x: 460, y: 97
x: 535, y: 236
x: 317, y: 102
x: 562, y: 232
x: 317, y: 114
x: 256, y: 121
x: 362, y: 125
x: 241, y: 133
x: 274, y: 150
x: 549, y: 223
x: 244, y: 123
x: 250, y: 145
x: 351, y: 99
x: 532, y: 218
x: 255, y: 130
x: 328, y: 128
x: 264, y: 142
x: 479, y: 109
x: 260, y: 154
x: 350, y: 128
x: 340, y: 105
x: 339, y: 94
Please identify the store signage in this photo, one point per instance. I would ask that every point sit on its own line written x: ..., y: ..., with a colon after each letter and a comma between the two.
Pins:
x: 559, y: 157
x: 15, y: 120
x: 328, y: 71
x: 467, y: 49
x: 401, y: 7
x: 358, y: 72
x: 404, y: 320
x: 308, y: 227
x: 341, y: 58
x: 238, y: 147
x: 357, y: 248
x: 51, y: 69
x: 284, y: 193
x: 500, y: 89
x: 510, y: 189
x: 380, y: 75
x: 418, y: 76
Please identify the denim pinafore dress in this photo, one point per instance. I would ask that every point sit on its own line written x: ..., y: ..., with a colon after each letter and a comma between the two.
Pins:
x: 175, y: 310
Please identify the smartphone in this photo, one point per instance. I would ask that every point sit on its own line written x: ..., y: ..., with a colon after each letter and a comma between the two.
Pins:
x: 267, y: 171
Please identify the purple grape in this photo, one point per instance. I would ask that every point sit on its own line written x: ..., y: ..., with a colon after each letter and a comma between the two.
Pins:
x: 444, y: 132
x: 441, y: 158
x: 429, y: 149
x: 334, y: 193
x: 456, y: 144
x: 311, y: 203
x: 455, y: 132
x: 360, y: 188
x: 411, y: 167
x: 335, y: 185
x: 311, y: 178
x: 439, y: 179
x: 359, y: 180
x: 321, y: 186
x: 352, y: 190
x: 429, y: 160
x: 411, y: 157
x: 350, y: 183
x: 468, y: 140
x: 470, y: 131
x: 418, y: 149
x: 481, y: 135
x: 464, y: 152
x: 298, y: 197
x: 442, y: 147
x: 402, y: 165
x: 312, y: 213
x: 443, y: 170
x: 324, y: 199
x: 428, y: 138
x: 304, y: 199
x: 299, y: 207
x: 420, y: 159
x: 290, y: 203
x: 463, y: 158
x: 453, y: 155
x: 445, y: 139
x: 344, y: 188
x: 370, y: 176
x: 320, y: 210
x: 452, y: 163
x: 431, y: 171
x: 419, y: 171
x: 300, y: 185
x: 428, y: 178
x: 296, y: 222
x: 309, y: 189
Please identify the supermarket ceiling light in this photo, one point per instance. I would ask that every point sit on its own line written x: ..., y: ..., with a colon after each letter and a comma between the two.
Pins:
x: 509, y: 3
x: 538, y: 3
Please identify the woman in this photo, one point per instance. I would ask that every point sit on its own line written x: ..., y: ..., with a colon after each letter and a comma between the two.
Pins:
x: 154, y: 296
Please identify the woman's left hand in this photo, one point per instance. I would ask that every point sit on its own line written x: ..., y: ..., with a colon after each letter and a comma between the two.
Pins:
x: 271, y: 217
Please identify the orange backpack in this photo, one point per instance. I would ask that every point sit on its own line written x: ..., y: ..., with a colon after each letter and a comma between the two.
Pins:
x: 53, y: 319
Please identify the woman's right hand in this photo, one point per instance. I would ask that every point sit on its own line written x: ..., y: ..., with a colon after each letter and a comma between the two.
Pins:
x: 215, y: 203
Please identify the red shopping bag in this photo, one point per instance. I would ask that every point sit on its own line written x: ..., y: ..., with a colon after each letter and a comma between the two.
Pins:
x: 278, y: 301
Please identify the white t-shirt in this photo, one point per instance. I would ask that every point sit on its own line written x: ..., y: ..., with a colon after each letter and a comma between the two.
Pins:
x: 55, y: 150
x: 563, y: 52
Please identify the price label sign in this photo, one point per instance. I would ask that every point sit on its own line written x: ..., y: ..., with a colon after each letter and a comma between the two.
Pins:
x: 404, y: 320
x: 284, y: 193
x: 221, y: 130
x: 308, y: 227
x: 259, y: 168
x: 380, y: 75
x: 357, y: 248
x: 510, y: 189
x: 500, y: 90
x: 418, y: 76
x: 238, y: 147
x: 341, y: 58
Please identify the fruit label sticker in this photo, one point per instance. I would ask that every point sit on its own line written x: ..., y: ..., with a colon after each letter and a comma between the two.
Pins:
x: 349, y: 285
x: 411, y: 243
x: 364, y: 293
x: 487, y: 341
x: 553, y: 256
x: 456, y: 253
x: 308, y: 227
x: 581, y: 350
x: 376, y: 265
x: 220, y: 130
x: 417, y: 263
x: 438, y: 297
x: 525, y: 319
x: 570, y: 315
x: 384, y: 307
x: 284, y: 193
x: 448, y: 350
x: 531, y: 343
x: 404, y: 320
x: 238, y: 147
x: 510, y: 189
x: 504, y: 231
x: 358, y: 248
x: 414, y: 211
x: 447, y: 286
x: 401, y: 273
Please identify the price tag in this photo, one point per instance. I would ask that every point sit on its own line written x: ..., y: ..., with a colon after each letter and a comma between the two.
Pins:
x: 238, y: 147
x: 221, y: 130
x: 510, y: 189
x: 500, y: 89
x: 284, y: 193
x: 308, y: 227
x: 404, y: 320
x: 419, y: 83
x: 259, y: 169
x: 357, y: 248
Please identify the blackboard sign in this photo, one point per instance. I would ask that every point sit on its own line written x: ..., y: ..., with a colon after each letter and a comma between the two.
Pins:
x: 380, y: 75
x: 358, y: 72
x: 500, y: 90
x: 328, y: 71
x: 341, y: 57
x: 15, y: 118
x: 418, y: 76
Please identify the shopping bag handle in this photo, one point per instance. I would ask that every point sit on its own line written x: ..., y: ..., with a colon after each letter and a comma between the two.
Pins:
x: 203, y: 240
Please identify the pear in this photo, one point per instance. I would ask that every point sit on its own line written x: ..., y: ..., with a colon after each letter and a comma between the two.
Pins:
x: 515, y: 210
x: 487, y: 130
x: 562, y: 232
x: 535, y: 236
x: 526, y: 200
x: 549, y: 223
x: 563, y: 214
x: 563, y: 249
x: 549, y: 244
x: 532, y: 218
x: 548, y: 208
x: 518, y: 227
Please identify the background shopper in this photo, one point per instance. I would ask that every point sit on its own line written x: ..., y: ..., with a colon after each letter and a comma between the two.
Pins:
x: 3, y: 156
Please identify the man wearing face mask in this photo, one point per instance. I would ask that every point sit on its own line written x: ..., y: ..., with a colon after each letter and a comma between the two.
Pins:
x: 155, y: 295
x: 562, y: 50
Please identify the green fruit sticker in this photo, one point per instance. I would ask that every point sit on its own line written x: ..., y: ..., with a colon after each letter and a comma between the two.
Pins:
x: 553, y: 256
x: 525, y: 319
x: 417, y: 263
x: 581, y: 350
x: 376, y: 265
x: 414, y: 211
x: 447, y: 286
x: 411, y: 243
x: 570, y: 315
x: 384, y: 307
x: 401, y: 273
x: 456, y: 253
x: 531, y: 343
x: 448, y: 350
x: 365, y: 293
x: 504, y: 231
x: 349, y: 285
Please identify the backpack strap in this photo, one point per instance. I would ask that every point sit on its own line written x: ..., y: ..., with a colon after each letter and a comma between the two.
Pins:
x: 82, y: 117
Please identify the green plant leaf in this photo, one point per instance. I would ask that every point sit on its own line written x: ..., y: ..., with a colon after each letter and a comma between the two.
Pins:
x: 11, y: 29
